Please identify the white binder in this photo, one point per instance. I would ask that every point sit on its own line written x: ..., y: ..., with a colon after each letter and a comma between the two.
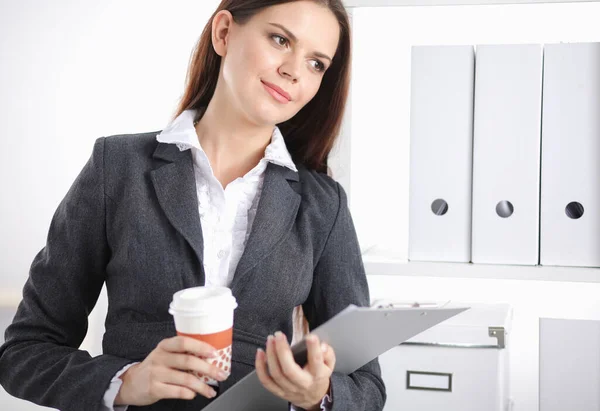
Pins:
x: 441, y: 138
x: 506, y: 154
x: 570, y: 197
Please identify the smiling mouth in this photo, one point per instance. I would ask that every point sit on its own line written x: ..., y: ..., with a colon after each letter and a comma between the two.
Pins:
x: 275, y: 94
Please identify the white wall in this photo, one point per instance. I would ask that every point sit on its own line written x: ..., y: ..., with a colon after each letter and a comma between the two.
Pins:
x: 74, y: 71
x: 70, y: 72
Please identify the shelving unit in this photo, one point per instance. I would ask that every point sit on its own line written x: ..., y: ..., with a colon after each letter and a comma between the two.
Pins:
x: 380, y: 264
x: 396, y: 3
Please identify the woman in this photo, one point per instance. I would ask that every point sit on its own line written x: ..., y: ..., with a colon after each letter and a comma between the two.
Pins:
x: 232, y: 192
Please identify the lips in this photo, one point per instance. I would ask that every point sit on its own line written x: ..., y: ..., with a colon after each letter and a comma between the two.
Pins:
x: 278, y: 90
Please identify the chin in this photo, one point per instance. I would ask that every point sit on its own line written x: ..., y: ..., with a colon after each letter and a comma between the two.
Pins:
x: 269, y: 114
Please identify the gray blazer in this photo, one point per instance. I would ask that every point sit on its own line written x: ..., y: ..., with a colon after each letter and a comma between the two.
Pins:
x: 130, y: 220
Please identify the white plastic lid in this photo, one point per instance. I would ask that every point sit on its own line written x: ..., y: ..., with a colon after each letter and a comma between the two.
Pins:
x: 203, y: 301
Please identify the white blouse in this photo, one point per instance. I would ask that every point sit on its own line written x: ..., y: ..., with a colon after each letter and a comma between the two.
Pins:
x: 226, y: 214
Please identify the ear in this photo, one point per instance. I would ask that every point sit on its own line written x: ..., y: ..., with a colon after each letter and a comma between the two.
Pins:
x: 221, y: 27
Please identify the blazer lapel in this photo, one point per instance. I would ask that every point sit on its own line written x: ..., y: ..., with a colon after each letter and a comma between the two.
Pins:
x: 276, y: 213
x: 175, y: 188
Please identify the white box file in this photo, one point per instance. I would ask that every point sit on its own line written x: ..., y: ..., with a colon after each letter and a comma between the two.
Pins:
x: 569, y: 365
x: 506, y: 154
x: 441, y: 141
x: 461, y: 364
x: 570, y: 194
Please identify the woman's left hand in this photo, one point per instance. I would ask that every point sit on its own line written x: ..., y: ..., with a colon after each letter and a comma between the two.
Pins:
x: 302, y: 387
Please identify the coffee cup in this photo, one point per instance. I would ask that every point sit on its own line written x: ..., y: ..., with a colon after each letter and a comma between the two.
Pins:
x: 206, y: 314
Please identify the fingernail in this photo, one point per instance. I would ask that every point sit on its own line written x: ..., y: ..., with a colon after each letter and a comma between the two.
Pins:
x: 212, y: 393
x: 278, y: 334
x: 269, y: 339
x: 323, y: 347
x: 214, y: 354
x: 311, y: 338
x: 222, y: 375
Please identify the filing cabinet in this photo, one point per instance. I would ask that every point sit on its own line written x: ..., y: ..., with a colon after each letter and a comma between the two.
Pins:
x: 460, y: 364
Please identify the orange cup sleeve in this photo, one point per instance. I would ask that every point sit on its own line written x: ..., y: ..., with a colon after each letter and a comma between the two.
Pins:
x: 219, y: 340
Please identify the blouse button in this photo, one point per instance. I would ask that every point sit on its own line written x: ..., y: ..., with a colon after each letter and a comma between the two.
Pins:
x: 221, y: 254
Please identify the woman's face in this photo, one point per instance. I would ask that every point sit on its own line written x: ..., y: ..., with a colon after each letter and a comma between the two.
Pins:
x: 285, y: 48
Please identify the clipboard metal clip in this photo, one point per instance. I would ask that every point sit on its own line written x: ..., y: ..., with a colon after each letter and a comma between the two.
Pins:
x: 386, y: 303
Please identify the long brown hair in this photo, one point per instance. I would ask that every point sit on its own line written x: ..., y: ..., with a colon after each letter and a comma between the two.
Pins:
x: 311, y: 133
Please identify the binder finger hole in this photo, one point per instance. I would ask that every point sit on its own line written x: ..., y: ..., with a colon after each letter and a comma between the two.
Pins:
x: 504, y: 209
x: 439, y: 207
x: 574, y: 210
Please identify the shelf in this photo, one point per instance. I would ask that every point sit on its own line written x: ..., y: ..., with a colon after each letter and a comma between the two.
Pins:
x: 398, y: 3
x: 10, y: 297
x: 377, y: 263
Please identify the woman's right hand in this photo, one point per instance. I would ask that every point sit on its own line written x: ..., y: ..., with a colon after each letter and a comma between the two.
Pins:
x: 163, y: 373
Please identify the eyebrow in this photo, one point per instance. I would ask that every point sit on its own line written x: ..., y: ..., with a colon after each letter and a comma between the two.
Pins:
x: 295, y: 40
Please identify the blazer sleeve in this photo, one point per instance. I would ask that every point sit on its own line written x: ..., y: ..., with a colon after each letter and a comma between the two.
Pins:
x: 339, y: 280
x: 40, y: 360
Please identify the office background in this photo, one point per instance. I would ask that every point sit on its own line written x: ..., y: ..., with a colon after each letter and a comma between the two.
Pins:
x: 74, y: 71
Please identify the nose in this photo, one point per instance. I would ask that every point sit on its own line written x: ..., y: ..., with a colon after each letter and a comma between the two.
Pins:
x: 290, y: 68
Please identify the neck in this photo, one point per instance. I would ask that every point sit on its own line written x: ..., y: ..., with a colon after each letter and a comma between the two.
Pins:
x: 232, y: 144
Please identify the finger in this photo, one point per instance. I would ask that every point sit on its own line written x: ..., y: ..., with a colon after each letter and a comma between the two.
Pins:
x: 314, y: 355
x: 275, y: 369
x: 190, y: 362
x: 164, y: 391
x: 181, y: 344
x: 187, y: 380
x: 292, y: 371
x: 170, y: 391
x: 328, y: 356
x: 260, y: 363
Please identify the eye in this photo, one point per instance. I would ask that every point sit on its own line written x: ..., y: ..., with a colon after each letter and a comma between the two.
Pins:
x: 319, y: 66
x: 280, y: 40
